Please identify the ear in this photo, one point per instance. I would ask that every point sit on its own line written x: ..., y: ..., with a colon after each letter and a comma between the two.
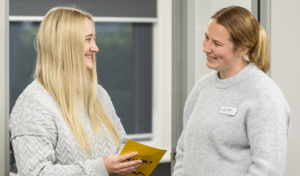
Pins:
x: 243, y: 51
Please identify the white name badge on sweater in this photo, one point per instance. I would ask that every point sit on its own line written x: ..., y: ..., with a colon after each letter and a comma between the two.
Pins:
x: 228, y: 110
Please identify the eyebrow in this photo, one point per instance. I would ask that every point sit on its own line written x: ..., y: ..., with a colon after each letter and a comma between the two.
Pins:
x: 217, y: 41
x: 90, y: 35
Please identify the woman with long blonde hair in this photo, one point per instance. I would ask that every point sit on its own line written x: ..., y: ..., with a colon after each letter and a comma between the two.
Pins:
x: 236, y: 119
x: 64, y: 123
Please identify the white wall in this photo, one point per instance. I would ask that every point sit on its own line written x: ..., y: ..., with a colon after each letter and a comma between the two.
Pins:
x: 285, y: 57
x: 204, y: 10
x: 162, y: 33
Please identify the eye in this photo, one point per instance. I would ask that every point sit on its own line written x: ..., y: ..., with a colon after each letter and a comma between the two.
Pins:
x: 206, y: 37
x: 89, y: 39
x: 217, y: 44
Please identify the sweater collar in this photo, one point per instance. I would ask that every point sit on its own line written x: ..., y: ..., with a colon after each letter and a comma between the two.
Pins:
x: 241, y: 76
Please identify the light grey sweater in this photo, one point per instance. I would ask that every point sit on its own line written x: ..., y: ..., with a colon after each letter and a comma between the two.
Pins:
x: 251, y: 142
x: 44, y: 144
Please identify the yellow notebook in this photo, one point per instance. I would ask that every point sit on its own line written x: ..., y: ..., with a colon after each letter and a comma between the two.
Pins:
x: 150, y: 157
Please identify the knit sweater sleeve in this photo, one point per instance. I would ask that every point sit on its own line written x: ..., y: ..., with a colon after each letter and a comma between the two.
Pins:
x: 268, y: 129
x: 188, y: 109
x: 34, y: 137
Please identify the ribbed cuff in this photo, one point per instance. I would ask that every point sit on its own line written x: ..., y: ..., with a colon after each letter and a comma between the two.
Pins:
x: 99, y: 168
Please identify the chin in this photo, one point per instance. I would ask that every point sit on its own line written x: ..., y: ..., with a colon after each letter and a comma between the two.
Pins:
x: 89, y: 68
x: 211, y: 66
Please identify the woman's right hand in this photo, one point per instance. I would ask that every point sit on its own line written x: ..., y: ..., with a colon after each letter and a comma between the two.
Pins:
x: 117, y: 165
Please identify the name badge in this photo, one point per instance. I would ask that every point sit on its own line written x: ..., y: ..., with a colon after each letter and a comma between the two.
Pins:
x: 228, y: 110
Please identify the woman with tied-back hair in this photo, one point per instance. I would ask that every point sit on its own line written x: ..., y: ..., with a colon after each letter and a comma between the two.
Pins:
x: 64, y: 123
x: 236, y: 119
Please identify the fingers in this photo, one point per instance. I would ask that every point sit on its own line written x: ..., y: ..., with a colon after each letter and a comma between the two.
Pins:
x: 126, y: 170
x: 121, y: 166
x: 127, y: 156
x: 129, y: 169
x: 130, y: 164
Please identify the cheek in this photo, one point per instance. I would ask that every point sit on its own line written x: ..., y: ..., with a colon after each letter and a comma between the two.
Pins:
x: 222, y: 52
x: 228, y: 57
x: 85, y: 51
x: 86, y: 47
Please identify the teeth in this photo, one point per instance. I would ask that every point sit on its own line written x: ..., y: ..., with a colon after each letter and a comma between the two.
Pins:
x: 212, y: 57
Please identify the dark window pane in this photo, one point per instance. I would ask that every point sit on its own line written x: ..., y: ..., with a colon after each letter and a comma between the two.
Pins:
x: 22, y: 57
x: 101, y: 8
x: 124, y: 65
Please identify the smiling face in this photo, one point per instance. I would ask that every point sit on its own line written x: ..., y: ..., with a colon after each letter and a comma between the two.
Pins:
x: 220, y: 51
x: 90, y: 47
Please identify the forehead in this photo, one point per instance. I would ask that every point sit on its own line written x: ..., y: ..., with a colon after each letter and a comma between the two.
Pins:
x: 89, y: 27
x: 218, y: 32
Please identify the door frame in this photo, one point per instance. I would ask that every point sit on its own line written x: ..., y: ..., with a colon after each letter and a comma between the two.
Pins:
x: 4, y: 88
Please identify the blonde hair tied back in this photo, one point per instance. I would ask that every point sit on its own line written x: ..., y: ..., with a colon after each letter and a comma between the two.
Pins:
x: 259, y: 53
x: 61, y: 69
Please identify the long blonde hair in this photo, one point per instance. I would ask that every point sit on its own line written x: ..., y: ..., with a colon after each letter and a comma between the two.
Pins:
x: 61, y: 69
x: 245, y: 32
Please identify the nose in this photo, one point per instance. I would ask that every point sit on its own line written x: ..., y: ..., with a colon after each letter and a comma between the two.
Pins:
x: 94, y: 47
x: 206, y: 46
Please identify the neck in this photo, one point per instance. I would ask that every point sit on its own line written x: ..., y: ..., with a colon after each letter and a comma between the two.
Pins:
x: 233, y: 69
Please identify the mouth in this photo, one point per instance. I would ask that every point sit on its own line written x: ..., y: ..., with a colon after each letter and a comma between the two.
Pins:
x: 88, y: 56
x: 211, y: 57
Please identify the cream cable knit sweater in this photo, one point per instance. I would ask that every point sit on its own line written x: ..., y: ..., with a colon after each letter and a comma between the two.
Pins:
x: 43, y: 143
x: 217, y: 141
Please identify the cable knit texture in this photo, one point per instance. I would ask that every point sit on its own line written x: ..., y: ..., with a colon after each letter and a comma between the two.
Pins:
x: 253, y: 142
x: 44, y: 144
